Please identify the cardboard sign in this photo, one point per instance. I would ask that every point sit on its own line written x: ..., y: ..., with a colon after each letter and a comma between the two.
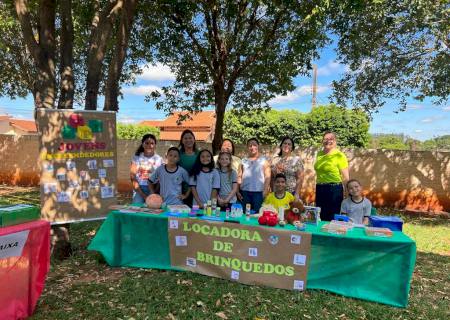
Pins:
x: 247, y: 254
x: 77, y: 158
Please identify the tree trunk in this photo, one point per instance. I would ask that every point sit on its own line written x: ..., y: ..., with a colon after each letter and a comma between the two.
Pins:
x: 66, y: 64
x: 100, y: 35
x: 115, y: 67
x: 42, y: 50
x: 220, y: 107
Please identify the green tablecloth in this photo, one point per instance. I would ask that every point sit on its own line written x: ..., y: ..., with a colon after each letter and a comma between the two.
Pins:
x: 354, y: 265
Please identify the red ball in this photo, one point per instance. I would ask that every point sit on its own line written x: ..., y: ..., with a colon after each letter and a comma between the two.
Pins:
x: 272, y: 221
x: 262, y: 220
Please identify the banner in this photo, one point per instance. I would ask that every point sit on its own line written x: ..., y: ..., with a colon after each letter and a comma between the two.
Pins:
x: 252, y: 255
x: 78, y: 163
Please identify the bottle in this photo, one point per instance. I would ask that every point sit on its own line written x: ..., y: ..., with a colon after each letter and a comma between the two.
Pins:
x: 214, y: 204
x: 218, y: 212
x: 205, y: 209
x: 227, y: 213
x: 248, y: 207
x: 281, y: 213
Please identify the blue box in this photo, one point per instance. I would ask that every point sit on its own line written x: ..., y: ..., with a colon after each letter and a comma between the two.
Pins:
x: 341, y: 217
x: 391, y: 222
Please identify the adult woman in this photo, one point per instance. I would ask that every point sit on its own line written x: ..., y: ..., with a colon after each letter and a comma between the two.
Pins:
x: 228, y: 146
x: 188, y: 154
x: 290, y: 165
x: 332, y: 175
x: 254, y: 177
x: 144, y: 163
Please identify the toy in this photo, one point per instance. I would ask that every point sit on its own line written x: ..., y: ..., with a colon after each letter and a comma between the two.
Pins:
x: 154, y: 201
x: 299, y: 225
x: 269, y: 218
x: 378, y: 232
x: 311, y: 215
x: 334, y: 229
x: 294, y: 213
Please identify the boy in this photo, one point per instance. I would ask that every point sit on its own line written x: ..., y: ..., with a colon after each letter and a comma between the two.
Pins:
x: 280, y: 197
x: 356, y: 206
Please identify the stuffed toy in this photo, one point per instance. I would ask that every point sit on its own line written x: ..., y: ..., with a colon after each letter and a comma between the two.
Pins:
x: 269, y: 218
x: 154, y: 201
x: 294, y: 213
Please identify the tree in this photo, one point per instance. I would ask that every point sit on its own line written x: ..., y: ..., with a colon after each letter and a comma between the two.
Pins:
x: 234, y: 53
x: 61, y: 49
x: 351, y: 126
x: 134, y: 132
x: 397, y: 49
x: 389, y: 142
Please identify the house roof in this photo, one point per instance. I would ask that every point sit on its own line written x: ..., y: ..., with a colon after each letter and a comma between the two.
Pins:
x: 204, y: 119
x: 152, y: 123
x: 4, y: 117
x: 25, y: 125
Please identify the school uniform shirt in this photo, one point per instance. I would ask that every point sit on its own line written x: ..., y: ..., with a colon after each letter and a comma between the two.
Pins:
x: 273, y: 200
x: 227, y: 179
x: 204, y: 183
x: 253, y: 174
x: 145, y: 167
x: 170, y: 183
x: 356, y: 211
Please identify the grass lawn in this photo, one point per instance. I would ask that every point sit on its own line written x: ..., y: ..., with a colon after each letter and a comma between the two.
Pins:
x: 84, y: 287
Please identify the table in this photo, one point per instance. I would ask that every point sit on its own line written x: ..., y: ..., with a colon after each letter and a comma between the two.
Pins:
x: 353, y: 265
x: 24, y: 263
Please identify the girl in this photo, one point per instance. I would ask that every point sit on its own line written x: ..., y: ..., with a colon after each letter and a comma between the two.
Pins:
x: 205, y: 179
x: 188, y: 154
x: 228, y: 181
x: 144, y: 163
x: 170, y: 177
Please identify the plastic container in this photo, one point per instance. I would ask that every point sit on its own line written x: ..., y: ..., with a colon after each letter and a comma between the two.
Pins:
x: 391, y: 222
x: 341, y: 217
x: 378, y: 232
x: 334, y: 229
x: 17, y: 214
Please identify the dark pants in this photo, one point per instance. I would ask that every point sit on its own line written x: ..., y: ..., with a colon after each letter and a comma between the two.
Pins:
x: 329, y: 198
x: 254, y: 198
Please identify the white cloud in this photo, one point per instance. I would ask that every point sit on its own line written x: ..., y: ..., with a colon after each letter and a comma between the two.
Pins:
x: 415, y: 106
x: 158, y: 72
x: 140, y: 90
x: 330, y: 68
x: 429, y: 120
x: 418, y: 131
x: 447, y: 108
x: 296, y: 94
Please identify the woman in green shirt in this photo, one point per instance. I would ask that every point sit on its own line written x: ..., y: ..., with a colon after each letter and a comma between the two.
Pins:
x: 332, y: 174
x: 188, y: 154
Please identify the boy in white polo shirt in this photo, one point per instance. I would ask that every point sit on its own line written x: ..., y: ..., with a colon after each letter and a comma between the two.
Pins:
x: 356, y: 206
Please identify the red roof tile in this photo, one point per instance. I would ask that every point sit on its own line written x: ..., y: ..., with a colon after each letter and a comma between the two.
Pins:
x: 175, y: 135
x: 151, y: 123
x: 25, y: 125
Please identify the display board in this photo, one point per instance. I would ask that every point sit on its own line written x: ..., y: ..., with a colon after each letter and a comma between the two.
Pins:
x: 78, y: 161
x: 247, y: 254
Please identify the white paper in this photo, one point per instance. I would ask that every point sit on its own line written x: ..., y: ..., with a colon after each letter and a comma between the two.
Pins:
x: 61, y: 176
x: 92, y: 164
x: 49, y: 187
x: 102, y: 173
x: 191, y: 262
x: 107, y: 192
x: 71, y: 165
x: 84, y: 175
x: 49, y: 167
x: 84, y: 194
x: 234, y: 275
x: 299, y: 285
x: 11, y: 245
x: 108, y: 163
x: 181, y: 241
x: 296, y: 239
x: 94, y: 183
x: 253, y: 252
x: 74, y: 184
x: 299, y: 259
x: 63, y: 196
x: 173, y: 224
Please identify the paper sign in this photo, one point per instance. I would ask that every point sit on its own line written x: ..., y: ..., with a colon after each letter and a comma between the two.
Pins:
x: 191, y: 262
x: 84, y: 175
x: 63, y: 196
x: 108, y: 163
x: 61, y: 177
x: 92, y: 164
x: 180, y: 241
x: 299, y: 259
x: 102, y: 173
x: 84, y: 194
x: 71, y: 165
x: 253, y: 252
x: 299, y: 285
x: 107, y: 192
x: 49, y: 188
x: 94, y: 183
x: 11, y: 245
x: 173, y: 224
x: 234, y: 275
x: 296, y: 239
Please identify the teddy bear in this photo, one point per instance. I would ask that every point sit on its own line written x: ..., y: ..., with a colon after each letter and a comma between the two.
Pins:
x: 294, y: 213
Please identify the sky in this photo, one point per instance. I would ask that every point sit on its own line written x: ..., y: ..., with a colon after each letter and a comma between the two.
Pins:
x: 420, y: 121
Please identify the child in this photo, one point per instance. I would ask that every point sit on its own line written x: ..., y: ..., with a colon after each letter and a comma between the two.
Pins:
x: 170, y: 177
x: 228, y: 181
x: 145, y: 161
x: 356, y: 206
x: 205, y: 179
x: 280, y: 197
